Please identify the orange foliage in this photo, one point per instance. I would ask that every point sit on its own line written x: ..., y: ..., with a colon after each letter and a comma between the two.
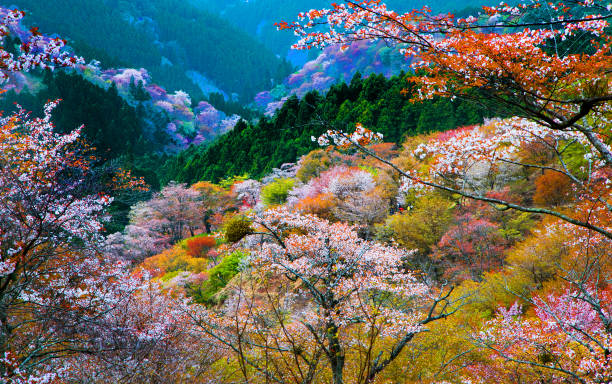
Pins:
x: 174, y: 259
x: 320, y: 205
x: 384, y: 150
x: 552, y: 189
x: 199, y: 246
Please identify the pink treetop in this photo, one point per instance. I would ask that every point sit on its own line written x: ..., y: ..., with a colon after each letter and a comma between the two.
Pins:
x: 172, y: 214
x: 339, y: 270
x: 340, y: 181
x: 573, y: 330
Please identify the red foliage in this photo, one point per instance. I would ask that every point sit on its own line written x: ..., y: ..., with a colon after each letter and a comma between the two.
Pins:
x: 470, y: 248
x: 199, y: 246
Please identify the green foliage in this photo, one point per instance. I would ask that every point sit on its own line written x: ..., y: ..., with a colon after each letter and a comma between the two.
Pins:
x: 218, y: 277
x: 237, y: 228
x: 376, y: 102
x: 276, y: 193
x: 229, y: 181
x: 516, y: 226
x: 168, y: 37
x: 371, y: 170
x: 574, y: 158
x: 420, y: 227
x: 110, y: 124
x: 170, y: 275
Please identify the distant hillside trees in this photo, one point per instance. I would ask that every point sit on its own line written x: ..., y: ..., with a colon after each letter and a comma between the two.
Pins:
x: 110, y: 124
x: 375, y: 102
x: 168, y: 37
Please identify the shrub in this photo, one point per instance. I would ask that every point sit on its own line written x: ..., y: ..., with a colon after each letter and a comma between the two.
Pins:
x: 219, y: 276
x: 199, y: 246
x: 312, y: 165
x: 320, y: 205
x: 421, y: 227
x: 277, y: 192
x: 174, y: 259
x: 237, y: 228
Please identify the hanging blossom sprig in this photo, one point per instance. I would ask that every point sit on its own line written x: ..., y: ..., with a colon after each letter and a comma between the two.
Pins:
x: 37, y: 51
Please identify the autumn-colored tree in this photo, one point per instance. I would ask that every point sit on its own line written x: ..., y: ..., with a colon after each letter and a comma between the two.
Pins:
x: 470, y: 247
x: 321, y: 205
x: 310, y: 293
x: 216, y: 201
x: 552, y: 189
x: 198, y: 246
x: 422, y: 226
x: 507, y: 57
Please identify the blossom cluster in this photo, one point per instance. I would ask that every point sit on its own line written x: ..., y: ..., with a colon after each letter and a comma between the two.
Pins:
x: 569, y: 328
x: 36, y: 50
x: 339, y: 269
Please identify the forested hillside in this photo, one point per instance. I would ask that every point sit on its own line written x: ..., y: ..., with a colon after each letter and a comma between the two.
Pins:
x: 255, y: 149
x: 258, y: 17
x: 176, y: 42
x: 111, y: 125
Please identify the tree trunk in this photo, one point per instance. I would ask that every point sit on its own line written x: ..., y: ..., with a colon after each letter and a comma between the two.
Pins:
x: 336, y: 354
x: 207, y: 223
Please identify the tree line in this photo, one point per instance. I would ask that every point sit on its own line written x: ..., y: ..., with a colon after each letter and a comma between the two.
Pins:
x: 375, y: 102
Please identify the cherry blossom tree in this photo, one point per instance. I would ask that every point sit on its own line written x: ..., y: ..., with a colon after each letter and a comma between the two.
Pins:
x: 173, y: 213
x: 147, y: 337
x: 247, y: 192
x: 568, y: 339
x: 68, y: 313
x: 365, y: 208
x: 328, y: 304
x: 53, y: 282
x: 345, y: 193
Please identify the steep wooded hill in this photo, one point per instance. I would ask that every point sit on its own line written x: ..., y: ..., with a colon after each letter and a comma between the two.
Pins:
x: 178, y: 43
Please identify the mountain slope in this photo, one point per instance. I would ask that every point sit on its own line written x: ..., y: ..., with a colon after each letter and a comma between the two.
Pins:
x: 174, y: 40
x: 375, y: 102
x: 258, y: 17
